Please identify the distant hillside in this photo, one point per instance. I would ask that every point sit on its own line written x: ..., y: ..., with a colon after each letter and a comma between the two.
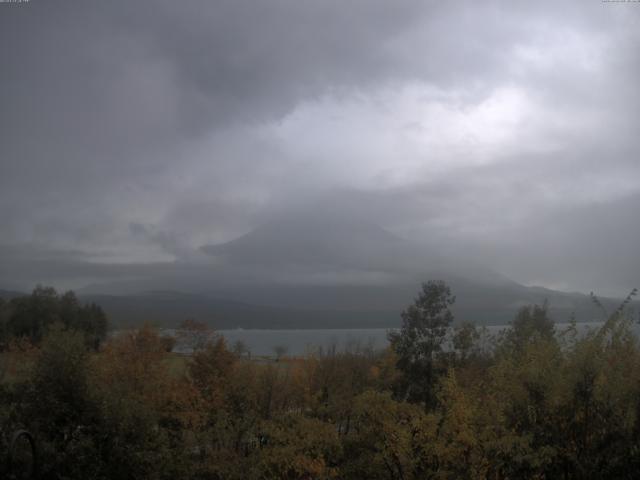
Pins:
x: 168, y: 309
x: 320, y: 269
x: 9, y: 294
x: 304, y: 307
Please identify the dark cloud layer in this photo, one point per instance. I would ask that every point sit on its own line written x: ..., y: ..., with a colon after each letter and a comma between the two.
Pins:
x: 136, y: 132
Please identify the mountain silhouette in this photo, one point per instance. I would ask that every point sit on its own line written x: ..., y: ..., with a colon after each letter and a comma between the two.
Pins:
x: 320, y: 269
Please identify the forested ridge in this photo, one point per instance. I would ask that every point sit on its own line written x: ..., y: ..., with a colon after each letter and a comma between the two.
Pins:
x: 443, y: 401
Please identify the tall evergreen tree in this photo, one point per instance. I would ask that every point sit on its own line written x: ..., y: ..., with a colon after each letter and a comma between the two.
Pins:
x: 419, y: 342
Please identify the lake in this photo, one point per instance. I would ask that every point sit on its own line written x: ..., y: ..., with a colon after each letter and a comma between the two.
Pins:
x: 300, y: 342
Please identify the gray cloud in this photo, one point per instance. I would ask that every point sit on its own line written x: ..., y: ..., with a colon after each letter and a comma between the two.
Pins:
x: 135, y: 132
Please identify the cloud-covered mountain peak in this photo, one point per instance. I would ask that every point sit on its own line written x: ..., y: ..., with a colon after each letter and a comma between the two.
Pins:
x: 312, y: 239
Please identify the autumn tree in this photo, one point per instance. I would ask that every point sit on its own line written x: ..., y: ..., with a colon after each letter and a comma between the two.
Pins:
x: 58, y: 404
x: 380, y: 445
x: 464, y: 340
x: 211, y: 368
x: 297, y: 447
x: 531, y: 323
x: 141, y: 408
x: 194, y: 335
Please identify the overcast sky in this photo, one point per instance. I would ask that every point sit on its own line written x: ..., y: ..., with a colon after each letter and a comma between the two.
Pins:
x: 138, y: 131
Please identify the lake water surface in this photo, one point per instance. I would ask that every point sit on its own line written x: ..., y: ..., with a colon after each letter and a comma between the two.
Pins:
x: 300, y: 342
